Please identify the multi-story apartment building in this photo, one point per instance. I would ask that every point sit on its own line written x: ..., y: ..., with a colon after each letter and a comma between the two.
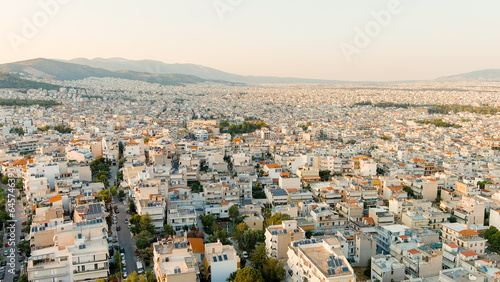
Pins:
x: 155, y: 207
x: 352, y: 210
x: 387, y: 234
x: 314, y: 260
x: 220, y: 261
x: 385, y: 268
x: 328, y: 221
x: 175, y: 261
x: 279, y: 236
x: 464, y: 237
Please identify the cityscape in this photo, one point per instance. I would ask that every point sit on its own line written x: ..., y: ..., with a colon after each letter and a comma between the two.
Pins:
x: 140, y: 170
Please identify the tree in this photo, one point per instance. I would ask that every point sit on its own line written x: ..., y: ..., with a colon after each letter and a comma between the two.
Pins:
x: 248, y: 239
x: 273, y: 271
x: 453, y: 219
x: 309, y: 234
x: 208, y: 222
x: 248, y: 274
x: 132, y: 277
x: 169, y: 230
x: 121, y: 146
x: 131, y: 207
x: 114, y: 190
x: 259, y: 257
x: 142, y: 223
x: 121, y: 194
x: 143, y: 239
x: 277, y: 218
x: 146, y: 255
x: 24, y: 247
x: 103, y: 195
x: 219, y: 234
x: 490, y: 232
x: 238, y: 230
x: 234, y: 212
x: 23, y: 278
x: 232, y: 276
x: 325, y: 175
x: 5, y: 180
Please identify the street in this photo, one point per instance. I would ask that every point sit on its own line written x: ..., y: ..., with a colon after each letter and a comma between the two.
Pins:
x: 124, y: 236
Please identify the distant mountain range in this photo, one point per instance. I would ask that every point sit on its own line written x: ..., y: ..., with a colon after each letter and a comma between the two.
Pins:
x: 166, y: 74
x: 490, y: 74
x: 151, y: 66
x: 52, y: 69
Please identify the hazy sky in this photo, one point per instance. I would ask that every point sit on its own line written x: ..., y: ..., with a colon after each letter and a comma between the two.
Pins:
x: 301, y: 38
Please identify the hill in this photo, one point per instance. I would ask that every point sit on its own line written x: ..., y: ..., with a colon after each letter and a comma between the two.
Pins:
x: 489, y: 74
x: 151, y: 66
x: 12, y: 81
x: 52, y: 69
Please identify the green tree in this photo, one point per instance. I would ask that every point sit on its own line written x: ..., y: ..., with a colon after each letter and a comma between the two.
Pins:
x: 219, y: 234
x: 121, y: 193
x: 114, y: 190
x: 273, y: 271
x: 146, y: 255
x: 248, y: 239
x: 309, y: 234
x: 103, y: 195
x: 232, y: 276
x: 23, y: 278
x: 5, y: 180
x: 259, y: 257
x: 132, y: 277
x: 453, y: 219
x: 169, y: 230
x: 248, y: 274
x: 277, y: 218
x: 238, y: 230
x: 143, y: 239
x: 490, y: 232
x: 234, y: 212
x: 208, y: 221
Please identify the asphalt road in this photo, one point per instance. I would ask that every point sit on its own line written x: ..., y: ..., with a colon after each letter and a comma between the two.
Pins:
x: 125, y: 237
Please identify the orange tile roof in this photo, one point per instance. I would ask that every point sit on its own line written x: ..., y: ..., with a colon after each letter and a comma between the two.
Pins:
x: 20, y: 162
x: 413, y: 251
x: 224, y: 203
x: 273, y: 166
x: 55, y: 199
x: 197, y: 245
x: 453, y: 245
x: 469, y: 253
x: 468, y: 232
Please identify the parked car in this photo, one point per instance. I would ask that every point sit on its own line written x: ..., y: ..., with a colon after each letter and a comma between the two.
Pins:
x: 21, y: 258
x: 136, y: 252
x: 24, y: 222
x: 3, y: 263
x: 245, y: 255
x: 5, y: 252
x: 118, y: 228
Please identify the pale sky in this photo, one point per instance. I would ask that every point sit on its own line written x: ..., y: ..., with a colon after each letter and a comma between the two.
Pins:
x: 424, y: 39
